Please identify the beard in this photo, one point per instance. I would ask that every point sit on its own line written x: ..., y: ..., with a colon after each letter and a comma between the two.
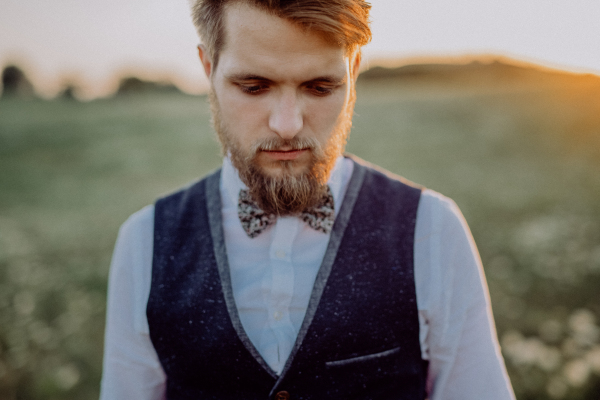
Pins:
x: 288, y: 193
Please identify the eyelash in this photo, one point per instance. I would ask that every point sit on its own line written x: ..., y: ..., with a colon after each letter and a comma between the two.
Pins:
x: 253, y: 89
x: 320, y: 90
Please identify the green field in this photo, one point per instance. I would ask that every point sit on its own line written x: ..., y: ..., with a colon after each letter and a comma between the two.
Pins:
x: 517, y: 149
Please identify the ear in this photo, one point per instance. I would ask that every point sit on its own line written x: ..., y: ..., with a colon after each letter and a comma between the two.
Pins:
x: 205, y: 59
x: 355, y: 64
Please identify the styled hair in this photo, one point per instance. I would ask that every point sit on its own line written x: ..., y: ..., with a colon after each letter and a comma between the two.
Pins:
x: 344, y: 22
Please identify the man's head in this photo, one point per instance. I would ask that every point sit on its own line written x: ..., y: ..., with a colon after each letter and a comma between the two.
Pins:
x: 282, y: 90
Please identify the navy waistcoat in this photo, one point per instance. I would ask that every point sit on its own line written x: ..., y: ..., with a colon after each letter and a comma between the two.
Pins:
x: 360, y: 336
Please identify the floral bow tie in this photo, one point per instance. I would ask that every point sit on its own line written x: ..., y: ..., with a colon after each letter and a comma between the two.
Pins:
x: 254, y: 220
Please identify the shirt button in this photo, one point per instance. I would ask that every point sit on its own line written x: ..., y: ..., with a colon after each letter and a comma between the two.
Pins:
x: 283, y: 395
x: 280, y: 254
x: 277, y: 315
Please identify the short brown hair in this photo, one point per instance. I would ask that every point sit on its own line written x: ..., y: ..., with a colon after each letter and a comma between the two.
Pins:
x: 345, y: 22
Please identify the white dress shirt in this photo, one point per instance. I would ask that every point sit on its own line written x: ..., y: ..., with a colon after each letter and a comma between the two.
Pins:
x: 272, y: 278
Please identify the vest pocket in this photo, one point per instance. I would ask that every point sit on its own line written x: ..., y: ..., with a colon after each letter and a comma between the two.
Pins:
x: 360, y: 359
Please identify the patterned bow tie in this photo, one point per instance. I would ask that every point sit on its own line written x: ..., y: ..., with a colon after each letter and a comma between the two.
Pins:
x: 254, y: 220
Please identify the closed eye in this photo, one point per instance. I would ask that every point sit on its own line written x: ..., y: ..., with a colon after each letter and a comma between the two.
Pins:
x: 320, y: 90
x: 250, y: 83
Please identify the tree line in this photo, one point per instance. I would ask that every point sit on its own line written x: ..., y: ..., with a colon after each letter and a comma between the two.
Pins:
x: 16, y: 84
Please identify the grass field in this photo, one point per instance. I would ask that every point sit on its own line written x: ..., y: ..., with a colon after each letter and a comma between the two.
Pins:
x: 517, y: 149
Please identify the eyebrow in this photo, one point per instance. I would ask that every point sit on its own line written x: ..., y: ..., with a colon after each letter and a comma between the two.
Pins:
x: 246, y: 77
x: 331, y: 79
x: 334, y: 80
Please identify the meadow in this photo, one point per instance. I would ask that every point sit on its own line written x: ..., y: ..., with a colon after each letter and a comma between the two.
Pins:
x: 517, y: 148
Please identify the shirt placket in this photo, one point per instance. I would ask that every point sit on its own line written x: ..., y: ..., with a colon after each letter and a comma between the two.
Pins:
x: 281, y: 289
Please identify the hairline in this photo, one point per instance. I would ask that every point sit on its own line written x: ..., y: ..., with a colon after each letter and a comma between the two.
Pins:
x: 349, y: 49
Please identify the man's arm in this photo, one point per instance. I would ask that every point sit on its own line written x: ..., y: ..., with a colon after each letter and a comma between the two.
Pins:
x: 131, y: 367
x: 453, y: 300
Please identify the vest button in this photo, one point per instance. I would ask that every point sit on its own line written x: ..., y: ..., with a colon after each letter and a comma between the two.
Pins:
x: 283, y: 395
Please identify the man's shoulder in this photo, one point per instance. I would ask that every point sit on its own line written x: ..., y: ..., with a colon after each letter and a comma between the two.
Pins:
x: 139, y: 222
x: 191, y: 206
x: 431, y: 203
x: 381, y: 173
x: 143, y: 219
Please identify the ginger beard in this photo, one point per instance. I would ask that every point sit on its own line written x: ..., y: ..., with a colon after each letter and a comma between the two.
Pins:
x: 288, y: 193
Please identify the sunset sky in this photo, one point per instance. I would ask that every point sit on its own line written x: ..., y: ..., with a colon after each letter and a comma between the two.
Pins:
x: 93, y: 42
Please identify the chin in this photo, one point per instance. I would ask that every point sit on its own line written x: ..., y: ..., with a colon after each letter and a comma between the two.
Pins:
x: 277, y: 169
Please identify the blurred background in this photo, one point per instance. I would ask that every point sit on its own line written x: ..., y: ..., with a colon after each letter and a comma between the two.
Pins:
x: 495, y: 104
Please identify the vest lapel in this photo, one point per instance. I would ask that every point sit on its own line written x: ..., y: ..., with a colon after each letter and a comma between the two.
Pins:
x: 213, y: 204
x: 335, y: 239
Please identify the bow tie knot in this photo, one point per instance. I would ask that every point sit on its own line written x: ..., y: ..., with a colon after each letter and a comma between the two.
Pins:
x: 254, y: 220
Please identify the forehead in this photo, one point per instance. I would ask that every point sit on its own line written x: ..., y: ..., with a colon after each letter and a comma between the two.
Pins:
x: 261, y: 43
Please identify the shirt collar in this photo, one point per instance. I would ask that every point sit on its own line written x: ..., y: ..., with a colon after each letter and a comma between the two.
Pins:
x: 231, y: 184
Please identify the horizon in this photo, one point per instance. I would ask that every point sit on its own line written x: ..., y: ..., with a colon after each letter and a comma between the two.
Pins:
x: 112, y: 86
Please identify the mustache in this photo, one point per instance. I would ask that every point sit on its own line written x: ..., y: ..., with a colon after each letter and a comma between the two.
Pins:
x: 277, y: 143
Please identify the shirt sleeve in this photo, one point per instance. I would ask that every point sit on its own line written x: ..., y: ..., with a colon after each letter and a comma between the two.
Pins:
x: 131, y: 369
x: 458, y: 333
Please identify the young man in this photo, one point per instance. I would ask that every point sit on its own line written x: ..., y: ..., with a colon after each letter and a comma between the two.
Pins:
x: 294, y: 272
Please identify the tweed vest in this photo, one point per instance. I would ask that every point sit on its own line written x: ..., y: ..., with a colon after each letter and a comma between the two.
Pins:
x: 360, y: 336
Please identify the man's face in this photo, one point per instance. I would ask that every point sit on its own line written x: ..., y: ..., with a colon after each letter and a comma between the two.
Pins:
x: 282, y: 99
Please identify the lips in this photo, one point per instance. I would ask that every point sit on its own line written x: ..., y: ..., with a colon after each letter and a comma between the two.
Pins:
x: 284, y: 155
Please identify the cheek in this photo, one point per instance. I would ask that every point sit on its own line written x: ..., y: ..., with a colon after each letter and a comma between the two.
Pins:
x: 242, y: 117
x: 323, y: 114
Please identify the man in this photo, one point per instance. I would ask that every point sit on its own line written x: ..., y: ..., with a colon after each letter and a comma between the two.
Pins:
x: 294, y: 272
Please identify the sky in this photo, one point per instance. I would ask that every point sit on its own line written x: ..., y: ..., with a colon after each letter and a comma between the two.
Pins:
x: 92, y: 43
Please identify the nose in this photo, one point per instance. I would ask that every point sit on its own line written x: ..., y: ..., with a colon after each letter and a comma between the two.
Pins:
x: 286, y: 116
